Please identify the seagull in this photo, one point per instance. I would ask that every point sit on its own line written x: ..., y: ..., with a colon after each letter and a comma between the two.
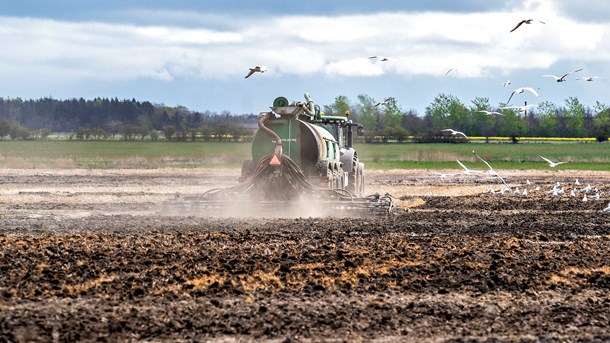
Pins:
x: 551, y: 163
x: 466, y: 170
x: 521, y: 90
x: 588, y: 78
x: 607, y: 209
x: 441, y: 175
x: 381, y: 58
x: 449, y: 71
x: 489, y: 112
x: 260, y: 69
x: 519, y: 108
x: 385, y: 101
x: 453, y: 132
x: 584, y: 199
x: 506, y: 83
x: 491, y: 171
x: 563, y: 77
x: 525, y: 21
x: 577, y: 183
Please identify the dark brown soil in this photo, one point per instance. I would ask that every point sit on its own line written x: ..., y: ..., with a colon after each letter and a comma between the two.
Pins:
x: 85, y: 259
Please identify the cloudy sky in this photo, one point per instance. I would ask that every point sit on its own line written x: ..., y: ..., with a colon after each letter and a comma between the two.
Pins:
x: 195, y: 53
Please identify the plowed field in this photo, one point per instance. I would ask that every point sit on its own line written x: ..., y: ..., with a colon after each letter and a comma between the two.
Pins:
x: 89, y: 255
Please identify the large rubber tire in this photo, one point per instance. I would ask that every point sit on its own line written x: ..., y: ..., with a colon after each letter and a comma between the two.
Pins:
x: 353, y: 179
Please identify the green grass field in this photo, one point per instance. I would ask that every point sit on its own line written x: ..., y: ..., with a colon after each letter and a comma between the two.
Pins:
x: 120, y: 154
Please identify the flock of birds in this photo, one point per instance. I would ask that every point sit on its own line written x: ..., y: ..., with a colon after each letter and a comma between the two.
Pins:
x: 587, y: 192
x: 556, y: 189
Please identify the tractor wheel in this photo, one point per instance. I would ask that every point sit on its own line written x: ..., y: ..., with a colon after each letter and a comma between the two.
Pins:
x: 361, y: 179
x: 353, y: 179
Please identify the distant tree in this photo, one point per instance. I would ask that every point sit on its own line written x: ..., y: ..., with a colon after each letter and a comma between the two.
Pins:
x: 83, y: 133
x: 206, y: 132
x: 19, y: 132
x: 169, y: 131
x: 43, y: 133
x: 5, y: 128
x: 98, y: 133
x: 601, y: 122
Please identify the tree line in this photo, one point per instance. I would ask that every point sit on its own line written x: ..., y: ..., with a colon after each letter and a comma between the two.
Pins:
x: 573, y: 119
x: 103, y: 118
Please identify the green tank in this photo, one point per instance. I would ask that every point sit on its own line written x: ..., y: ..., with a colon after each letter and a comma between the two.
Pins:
x: 321, y: 146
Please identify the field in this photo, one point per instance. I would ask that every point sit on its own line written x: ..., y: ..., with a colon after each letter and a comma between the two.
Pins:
x: 147, y: 155
x: 90, y: 255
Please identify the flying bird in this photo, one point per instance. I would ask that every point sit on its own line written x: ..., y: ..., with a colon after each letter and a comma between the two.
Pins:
x: 385, y: 101
x: 551, y: 163
x: 381, y: 58
x: 563, y: 77
x: 521, y: 90
x: 259, y: 69
x: 588, y: 78
x: 449, y: 71
x: 489, y: 112
x: 455, y: 133
x: 506, y: 83
x: 525, y: 21
x: 519, y: 108
x: 490, y: 171
x: 466, y: 170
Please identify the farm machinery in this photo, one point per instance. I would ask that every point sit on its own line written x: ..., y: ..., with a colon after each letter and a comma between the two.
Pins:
x: 303, y: 164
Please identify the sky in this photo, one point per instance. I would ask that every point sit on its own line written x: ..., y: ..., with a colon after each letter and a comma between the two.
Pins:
x: 196, y: 53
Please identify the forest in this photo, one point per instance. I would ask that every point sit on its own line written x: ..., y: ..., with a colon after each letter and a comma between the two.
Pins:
x: 103, y: 118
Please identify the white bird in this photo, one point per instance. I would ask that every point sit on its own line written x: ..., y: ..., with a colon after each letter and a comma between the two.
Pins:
x: 607, y: 209
x: 572, y: 193
x: 385, y: 101
x: 584, y: 199
x: 595, y: 196
x: 381, y: 58
x: 519, y: 109
x: 453, y: 132
x: 259, y: 69
x: 527, y: 182
x: 588, y: 78
x: 490, y: 171
x: 563, y: 77
x: 466, y: 170
x: 551, y: 163
x: 442, y: 175
x: 521, y: 90
x: 506, y: 83
x: 577, y: 183
x: 525, y: 21
x: 489, y: 112
x: 525, y: 192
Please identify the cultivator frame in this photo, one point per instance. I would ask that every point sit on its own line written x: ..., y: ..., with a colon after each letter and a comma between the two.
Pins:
x: 279, y: 191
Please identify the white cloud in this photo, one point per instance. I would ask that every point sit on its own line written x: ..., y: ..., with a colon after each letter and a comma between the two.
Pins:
x: 428, y: 43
